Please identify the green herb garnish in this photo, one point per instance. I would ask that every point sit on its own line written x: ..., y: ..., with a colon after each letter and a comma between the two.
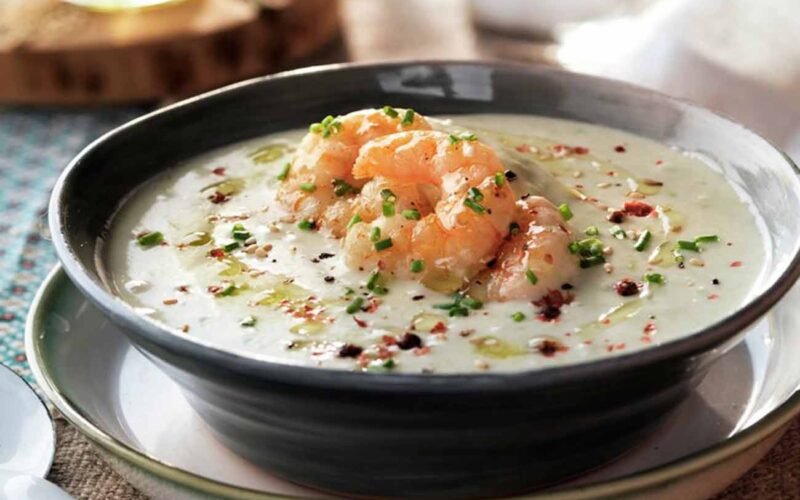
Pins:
x: 230, y: 247
x: 566, y: 212
x: 688, y: 245
x: 383, y: 244
x: 531, y: 277
x: 475, y: 194
x: 307, y: 225
x: 474, y: 205
x: 355, y: 306
x: 499, y: 179
x: 417, y: 266
x: 240, y: 233
x: 341, y: 188
x: 411, y: 214
x: 388, y: 209
x: 353, y: 221
x: 408, y: 118
x: 284, y: 173
x: 656, y: 278
x: 518, y: 316
x: 308, y: 187
x: 390, y: 112
x: 375, y: 234
x: 618, y: 233
x: 150, y: 239
x: 643, y: 241
x: 592, y: 231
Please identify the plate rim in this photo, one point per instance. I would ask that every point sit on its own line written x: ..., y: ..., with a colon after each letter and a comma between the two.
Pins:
x: 45, y: 470
x: 638, y: 482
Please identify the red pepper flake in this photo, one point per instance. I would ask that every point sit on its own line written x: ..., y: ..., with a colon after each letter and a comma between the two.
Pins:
x: 214, y: 289
x: 580, y: 150
x: 421, y: 351
x: 649, y: 328
x: 523, y: 148
x: 617, y: 216
x: 409, y: 341
x: 217, y: 253
x: 219, y: 171
x: 389, y: 340
x: 360, y: 322
x: 350, y: 351
x: 736, y: 263
x: 645, y: 339
x: 637, y: 208
x: 619, y: 148
x: 183, y: 288
x: 626, y: 287
x: 620, y: 346
x: 551, y: 304
x: 605, y: 321
x: 439, y: 327
x: 384, y: 353
x: 713, y: 296
x: 550, y: 347
x: 218, y: 198
x: 372, y: 305
x: 659, y: 162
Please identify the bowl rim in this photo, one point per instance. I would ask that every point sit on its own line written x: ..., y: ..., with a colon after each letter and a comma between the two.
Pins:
x: 637, y: 483
x: 689, y: 346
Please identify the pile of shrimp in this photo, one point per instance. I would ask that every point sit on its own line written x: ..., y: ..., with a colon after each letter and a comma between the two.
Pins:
x: 426, y: 205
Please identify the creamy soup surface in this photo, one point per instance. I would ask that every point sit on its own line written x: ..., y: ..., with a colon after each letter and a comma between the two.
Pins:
x: 663, y: 243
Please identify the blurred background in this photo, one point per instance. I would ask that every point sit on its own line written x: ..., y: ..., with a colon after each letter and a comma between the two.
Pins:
x: 736, y: 56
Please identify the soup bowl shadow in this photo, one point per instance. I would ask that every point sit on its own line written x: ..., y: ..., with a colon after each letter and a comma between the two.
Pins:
x: 398, y: 435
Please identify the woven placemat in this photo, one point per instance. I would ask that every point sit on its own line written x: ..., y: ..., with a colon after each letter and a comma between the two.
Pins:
x: 80, y: 471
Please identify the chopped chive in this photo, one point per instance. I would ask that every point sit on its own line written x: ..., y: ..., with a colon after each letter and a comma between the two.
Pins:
x: 308, y: 187
x: 566, y: 212
x: 677, y: 256
x: 327, y: 121
x: 471, y: 303
x: 408, y: 118
x: 454, y: 139
x: 474, y: 205
x: 592, y: 261
x: 618, y: 233
x: 383, y: 244
x: 458, y: 311
x: 248, y: 321
x: 411, y: 214
x: 353, y: 221
x: 388, y: 195
x: 241, y: 235
x: 499, y: 179
x: 707, y: 238
x: 315, y: 128
x: 643, y: 241
x: 150, y: 239
x: 475, y: 194
x: 284, y: 173
x: 388, y: 209
x: 341, y: 188
x: 307, y: 225
x: 469, y: 137
x: 513, y: 228
x: 375, y: 234
x: 518, y: 316
x: 654, y: 278
x: 379, y: 290
x: 531, y: 277
x: 688, y: 245
x: 592, y: 231
x: 355, y: 306
x: 390, y: 112
x: 417, y: 266
x: 227, y: 291
x: 373, y: 279
x: 230, y: 247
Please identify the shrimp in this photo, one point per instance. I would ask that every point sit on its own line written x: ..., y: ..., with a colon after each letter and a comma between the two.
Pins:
x: 320, y: 184
x: 536, y: 259
x: 472, y: 206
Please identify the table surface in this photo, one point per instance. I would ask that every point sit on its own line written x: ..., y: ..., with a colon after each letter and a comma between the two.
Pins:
x: 35, y: 144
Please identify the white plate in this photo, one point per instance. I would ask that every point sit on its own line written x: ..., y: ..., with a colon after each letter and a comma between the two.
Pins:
x: 27, y: 435
x: 141, y: 422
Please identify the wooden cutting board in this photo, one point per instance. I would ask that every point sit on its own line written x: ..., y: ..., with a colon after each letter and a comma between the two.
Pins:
x: 56, y: 53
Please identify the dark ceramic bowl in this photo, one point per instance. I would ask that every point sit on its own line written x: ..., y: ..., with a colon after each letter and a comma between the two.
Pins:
x: 423, y: 435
